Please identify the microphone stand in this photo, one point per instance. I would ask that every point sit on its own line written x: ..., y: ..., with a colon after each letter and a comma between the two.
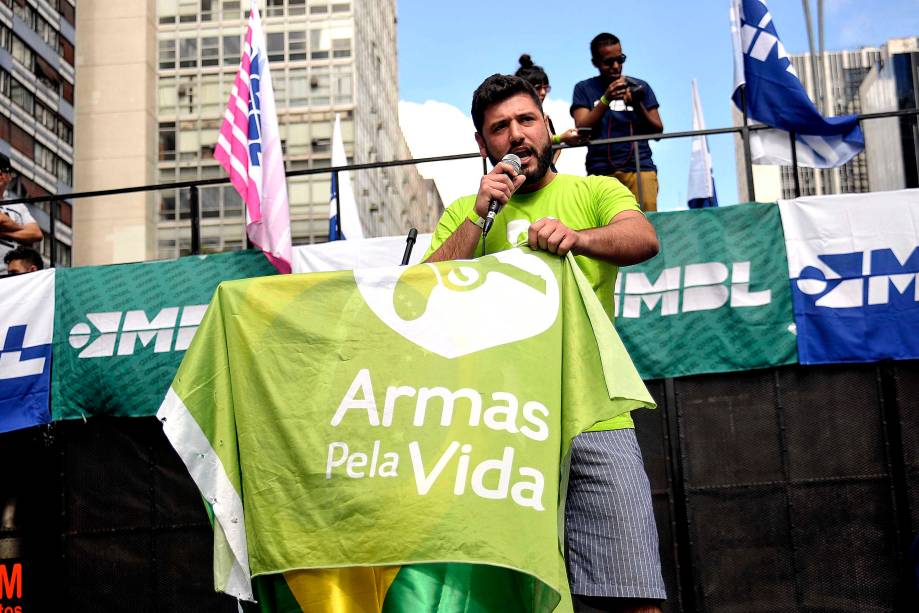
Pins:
x: 409, y: 245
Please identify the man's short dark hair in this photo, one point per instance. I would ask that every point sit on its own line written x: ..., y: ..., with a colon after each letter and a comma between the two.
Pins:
x: 24, y: 253
x: 604, y: 39
x: 498, y: 88
x: 5, y: 165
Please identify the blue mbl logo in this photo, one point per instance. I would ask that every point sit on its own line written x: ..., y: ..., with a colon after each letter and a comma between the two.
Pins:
x: 863, y: 279
x: 858, y: 307
x: 17, y: 360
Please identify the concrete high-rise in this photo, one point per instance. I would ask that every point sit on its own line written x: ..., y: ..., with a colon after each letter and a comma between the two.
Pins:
x: 37, y: 77
x: 326, y: 58
x: 892, y: 144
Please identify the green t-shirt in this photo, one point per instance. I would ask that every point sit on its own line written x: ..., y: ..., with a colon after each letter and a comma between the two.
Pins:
x: 579, y: 203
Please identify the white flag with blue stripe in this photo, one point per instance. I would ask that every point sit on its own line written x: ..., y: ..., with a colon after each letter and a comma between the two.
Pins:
x: 341, y: 197
x: 701, y: 193
x: 776, y: 97
x: 26, y: 333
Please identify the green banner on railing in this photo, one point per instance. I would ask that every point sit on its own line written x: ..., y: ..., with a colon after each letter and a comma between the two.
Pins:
x: 120, y: 331
x: 716, y: 298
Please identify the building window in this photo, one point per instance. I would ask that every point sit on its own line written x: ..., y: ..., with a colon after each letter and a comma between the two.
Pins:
x: 341, y: 7
x: 47, y: 76
x: 296, y: 7
x: 319, y: 8
x: 297, y: 92
x: 23, y: 54
x: 188, y: 52
x: 296, y: 45
x: 231, y: 50
x: 317, y: 50
x: 22, y: 97
x: 166, y: 248
x: 25, y: 12
x: 22, y: 141
x: 210, y: 202
x: 167, y: 142
x: 67, y: 50
x: 167, y: 54
x: 231, y: 9
x: 188, y: 11
x: 208, y: 9
x: 65, y: 131
x: 275, y: 42
x: 68, y: 12
x: 341, y: 47
x: 274, y: 8
x: 232, y: 202
x: 168, y: 207
x: 210, y: 51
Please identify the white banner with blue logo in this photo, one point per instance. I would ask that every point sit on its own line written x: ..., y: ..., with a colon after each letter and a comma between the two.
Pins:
x: 853, y: 261
x: 26, y: 332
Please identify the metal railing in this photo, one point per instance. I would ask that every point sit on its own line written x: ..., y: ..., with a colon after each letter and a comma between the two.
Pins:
x: 194, y: 185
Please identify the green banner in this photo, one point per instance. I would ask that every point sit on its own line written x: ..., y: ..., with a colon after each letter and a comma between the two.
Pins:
x: 716, y: 299
x: 120, y: 331
x: 393, y: 417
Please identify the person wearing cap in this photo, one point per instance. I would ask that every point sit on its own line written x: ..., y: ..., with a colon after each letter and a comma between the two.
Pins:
x: 17, y: 226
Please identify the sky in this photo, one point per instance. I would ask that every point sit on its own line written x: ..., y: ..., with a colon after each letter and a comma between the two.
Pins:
x: 447, y: 48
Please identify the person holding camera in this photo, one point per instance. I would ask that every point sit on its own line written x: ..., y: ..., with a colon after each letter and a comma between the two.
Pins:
x: 614, y: 105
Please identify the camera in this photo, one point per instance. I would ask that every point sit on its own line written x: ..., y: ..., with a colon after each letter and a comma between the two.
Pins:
x: 634, y: 87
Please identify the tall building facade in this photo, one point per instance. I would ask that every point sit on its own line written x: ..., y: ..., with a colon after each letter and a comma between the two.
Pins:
x: 832, y: 81
x: 892, y: 144
x: 327, y: 58
x: 37, y: 77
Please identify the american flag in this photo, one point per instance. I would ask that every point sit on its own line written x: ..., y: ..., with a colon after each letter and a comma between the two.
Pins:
x: 249, y: 149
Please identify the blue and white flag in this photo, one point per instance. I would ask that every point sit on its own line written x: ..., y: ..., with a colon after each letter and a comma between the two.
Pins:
x: 853, y: 261
x: 776, y: 97
x: 26, y: 333
x: 701, y: 193
x: 349, y: 226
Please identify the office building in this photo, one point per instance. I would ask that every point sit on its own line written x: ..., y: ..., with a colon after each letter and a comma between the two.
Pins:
x: 892, y: 144
x: 327, y: 57
x: 37, y: 78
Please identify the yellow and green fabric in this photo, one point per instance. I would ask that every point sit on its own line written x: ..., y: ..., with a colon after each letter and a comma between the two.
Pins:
x: 396, y: 439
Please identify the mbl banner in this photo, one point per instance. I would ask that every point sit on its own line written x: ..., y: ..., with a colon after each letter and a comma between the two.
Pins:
x: 716, y: 298
x: 121, y: 331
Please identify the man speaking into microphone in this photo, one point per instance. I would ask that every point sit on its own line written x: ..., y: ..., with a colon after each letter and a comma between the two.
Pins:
x: 610, y: 535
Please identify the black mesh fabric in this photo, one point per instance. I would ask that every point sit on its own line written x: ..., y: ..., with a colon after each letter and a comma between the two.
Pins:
x: 137, y: 535
x: 790, y: 489
x: 651, y: 432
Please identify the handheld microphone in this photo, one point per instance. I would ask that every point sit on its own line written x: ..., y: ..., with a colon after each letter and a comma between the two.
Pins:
x: 494, y: 206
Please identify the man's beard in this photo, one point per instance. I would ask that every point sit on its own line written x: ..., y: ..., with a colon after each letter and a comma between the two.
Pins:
x: 543, y: 162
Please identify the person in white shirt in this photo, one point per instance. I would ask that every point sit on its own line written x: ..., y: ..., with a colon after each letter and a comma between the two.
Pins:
x: 17, y: 226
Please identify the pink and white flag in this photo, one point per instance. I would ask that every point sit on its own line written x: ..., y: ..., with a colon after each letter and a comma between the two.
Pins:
x: 249, y: 149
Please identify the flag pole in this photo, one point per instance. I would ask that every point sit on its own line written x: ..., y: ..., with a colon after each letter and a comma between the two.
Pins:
x: 794, y: 163
x: 745, y: 137
x: 338, y: 236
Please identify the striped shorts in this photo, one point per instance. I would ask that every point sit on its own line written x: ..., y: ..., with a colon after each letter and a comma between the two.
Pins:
x: 611, y: 544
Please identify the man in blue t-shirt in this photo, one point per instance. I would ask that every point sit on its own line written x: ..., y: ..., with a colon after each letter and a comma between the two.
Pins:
x: 615, y: 105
